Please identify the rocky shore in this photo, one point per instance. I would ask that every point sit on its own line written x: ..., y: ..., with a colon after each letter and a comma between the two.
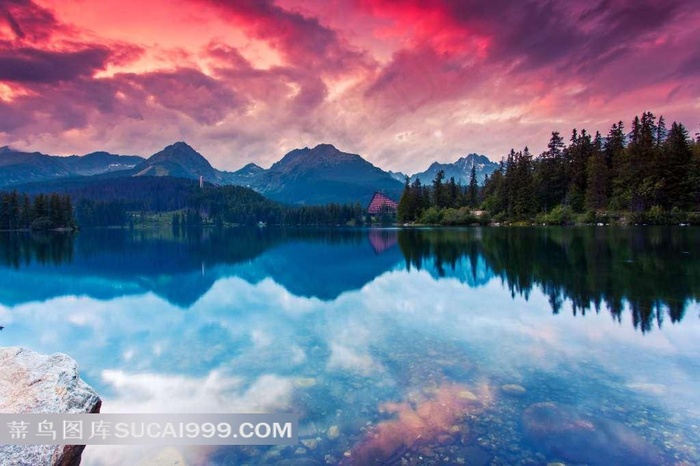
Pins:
x: 36, y: 383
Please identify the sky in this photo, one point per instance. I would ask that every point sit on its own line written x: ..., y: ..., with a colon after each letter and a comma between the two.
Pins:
x: 401, y: 82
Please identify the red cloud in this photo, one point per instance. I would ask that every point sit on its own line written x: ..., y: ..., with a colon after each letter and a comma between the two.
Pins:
x: 304, y: 41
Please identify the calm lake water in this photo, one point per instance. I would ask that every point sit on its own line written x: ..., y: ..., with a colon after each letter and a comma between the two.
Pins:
x: 473, y: 346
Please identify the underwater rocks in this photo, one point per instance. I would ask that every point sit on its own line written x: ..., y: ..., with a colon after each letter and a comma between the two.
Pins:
x: 333, y: 432
x: 433, y: 418
x: 35, y: 383
x: 513, y: 389
x: 562, y: 432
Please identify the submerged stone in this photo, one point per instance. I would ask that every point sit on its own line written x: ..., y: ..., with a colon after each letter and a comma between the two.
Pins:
x: 513, y: 389
x: 562, y: 432
x: 333, y: 432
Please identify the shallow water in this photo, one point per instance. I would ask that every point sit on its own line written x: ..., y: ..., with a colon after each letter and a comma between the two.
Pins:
x: 473, y: 346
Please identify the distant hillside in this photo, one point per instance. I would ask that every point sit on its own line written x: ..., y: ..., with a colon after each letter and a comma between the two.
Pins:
x: 246, y: 176
x: 17, y: 167
x: 21, y: 167
x: 460, y: 170
x: 137, y: 193
x: 98, y: 163
x: 400, y: 176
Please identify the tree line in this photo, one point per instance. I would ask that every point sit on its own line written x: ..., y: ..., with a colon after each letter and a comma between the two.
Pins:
x: 42, y: 212
x: 651, y: 175
x: 243, y: 206
x: 445, y: 201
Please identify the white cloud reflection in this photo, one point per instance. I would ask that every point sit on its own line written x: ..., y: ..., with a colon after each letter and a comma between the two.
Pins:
x: 241, y: 346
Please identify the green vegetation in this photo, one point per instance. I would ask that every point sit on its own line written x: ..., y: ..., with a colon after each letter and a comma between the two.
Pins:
x: 445, y: 203
x: 243, y: 206
x: 44, y: 212
x: 651, y: 175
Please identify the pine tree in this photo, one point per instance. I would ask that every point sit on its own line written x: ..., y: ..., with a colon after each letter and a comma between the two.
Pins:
x: 550, y: 174
x: 406, y: 209
x: 452, y: 193
x: 677, y: 169
x: 473, y: 189
x: 598, y: 177
x: 439, y: 197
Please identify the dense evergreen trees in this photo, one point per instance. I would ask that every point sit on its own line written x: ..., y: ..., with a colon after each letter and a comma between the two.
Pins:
x: 651, y: 174
x: 44, y: 212
x: 447, y: 203
x: 243, y: 206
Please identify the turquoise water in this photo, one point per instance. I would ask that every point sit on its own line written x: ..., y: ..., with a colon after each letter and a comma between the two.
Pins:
x: 474, y: 346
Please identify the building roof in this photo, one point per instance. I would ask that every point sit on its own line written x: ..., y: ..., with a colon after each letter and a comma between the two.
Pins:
x: 380, y: 203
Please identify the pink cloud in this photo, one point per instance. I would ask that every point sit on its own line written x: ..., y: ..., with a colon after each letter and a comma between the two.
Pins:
x: 403, y: 82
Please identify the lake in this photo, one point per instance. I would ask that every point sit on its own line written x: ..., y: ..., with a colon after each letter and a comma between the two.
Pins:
x: 452, y: 346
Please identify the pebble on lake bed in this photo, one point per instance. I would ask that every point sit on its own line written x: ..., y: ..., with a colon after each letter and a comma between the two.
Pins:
x: 333, y: 432
x: 467, y: 395
x: 311, y: 443
x: 513, y: 389
x: 304, y: 382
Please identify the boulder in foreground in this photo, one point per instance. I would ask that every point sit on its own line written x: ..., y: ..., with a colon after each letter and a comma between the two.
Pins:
x: 35, y: 383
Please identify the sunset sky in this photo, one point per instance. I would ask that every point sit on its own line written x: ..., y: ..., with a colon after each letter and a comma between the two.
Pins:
x: 401, y: 82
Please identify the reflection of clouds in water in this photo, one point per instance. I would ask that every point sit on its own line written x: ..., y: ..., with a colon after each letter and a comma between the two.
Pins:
x: 237, y: 294
x: 241, y: 345
x: 344, y: 359
x: 213, y: 393
x: 156, y: 393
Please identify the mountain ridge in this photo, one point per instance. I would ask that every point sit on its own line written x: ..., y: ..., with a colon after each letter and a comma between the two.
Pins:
x: 304, y: 176
x: 460, y: 169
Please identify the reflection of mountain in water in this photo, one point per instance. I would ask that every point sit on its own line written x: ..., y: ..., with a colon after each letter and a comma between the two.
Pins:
x: 654, y: 272
x: 109, y: 263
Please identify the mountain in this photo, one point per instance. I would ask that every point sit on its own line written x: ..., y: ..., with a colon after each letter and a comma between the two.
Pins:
x: 246, y: 176
x: 179, y: 160
x: 97, y: 163
x: 319, y: 175
x: 20, y: 167
x: 460, y: 170
x: 322, y: 175
x: 400, y: 176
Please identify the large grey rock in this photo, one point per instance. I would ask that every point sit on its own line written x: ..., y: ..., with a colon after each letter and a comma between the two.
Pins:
x: 36, y: 383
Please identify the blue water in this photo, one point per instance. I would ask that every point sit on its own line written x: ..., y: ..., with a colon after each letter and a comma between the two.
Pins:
x: 475, y: 346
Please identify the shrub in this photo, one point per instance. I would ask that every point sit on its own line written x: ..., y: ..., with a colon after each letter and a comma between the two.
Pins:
x: 559, y: 215
x: 41, y: 223
x: 431, y: 216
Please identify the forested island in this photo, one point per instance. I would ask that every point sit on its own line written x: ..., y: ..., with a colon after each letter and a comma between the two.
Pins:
x: 43, y: 212
x: 651, y: 175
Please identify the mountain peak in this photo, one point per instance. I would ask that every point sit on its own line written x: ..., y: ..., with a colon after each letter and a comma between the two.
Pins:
x: 181, y: 152
x: 178, y: 160
x: 181, y: 145
x: 326, y: 147
x: 460, y: 170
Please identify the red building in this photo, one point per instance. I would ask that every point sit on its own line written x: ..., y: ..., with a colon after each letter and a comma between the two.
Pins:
x: 381, y: 204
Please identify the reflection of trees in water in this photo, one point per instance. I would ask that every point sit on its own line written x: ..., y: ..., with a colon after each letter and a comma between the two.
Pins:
x: 23, y: 248
x: 654, y: 271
